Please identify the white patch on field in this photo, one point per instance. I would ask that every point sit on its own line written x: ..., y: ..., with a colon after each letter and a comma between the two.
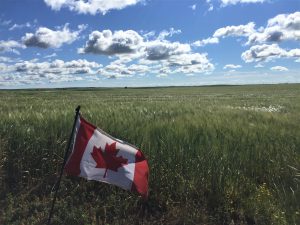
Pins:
x: 271, y: 108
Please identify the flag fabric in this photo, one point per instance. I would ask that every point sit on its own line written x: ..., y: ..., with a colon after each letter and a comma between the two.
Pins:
x: 98, y: 156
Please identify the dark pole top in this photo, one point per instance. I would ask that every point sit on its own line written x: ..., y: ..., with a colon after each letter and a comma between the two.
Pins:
x: 77, y: 113
x: 77, y: 109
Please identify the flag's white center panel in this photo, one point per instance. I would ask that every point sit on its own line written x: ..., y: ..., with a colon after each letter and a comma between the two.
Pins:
x: 125, y: 174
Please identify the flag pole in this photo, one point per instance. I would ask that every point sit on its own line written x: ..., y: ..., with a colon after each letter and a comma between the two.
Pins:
x: 63, y: 165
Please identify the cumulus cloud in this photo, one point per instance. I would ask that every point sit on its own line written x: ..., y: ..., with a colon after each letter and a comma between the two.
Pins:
x: 203, y: 42
x: 130, y: 42
x: 47, y: 38
x: 10, y: 46
x: 185, y: 63
x: 281, y: 27
x: 154, y: 56
x: 159, y: 50
x: 234, y: 2
x: 192, y: 63
x: 231, y: 66
x: 109, y: 43
x: 5, y: 59
x: 240, y: 30
x: 116, y: 70
x: 34, y: 72
x: 17, y: 79
x: 188, y: 59
x: 234, y: 31
x: 138, y: 69
x: 3, y: 68
x: 56, y: 67
x: 91, y: 6
x: 258, y: 53
x: 279, y: 68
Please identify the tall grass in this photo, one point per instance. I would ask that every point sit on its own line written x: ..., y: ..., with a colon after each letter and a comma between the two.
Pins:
x: 214, y: 158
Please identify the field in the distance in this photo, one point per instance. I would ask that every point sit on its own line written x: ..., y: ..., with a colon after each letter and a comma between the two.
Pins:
x: 217, y: 155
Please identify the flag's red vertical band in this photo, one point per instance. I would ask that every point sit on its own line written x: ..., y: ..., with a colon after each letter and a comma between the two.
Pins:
x: 85, y: 132
x: 141, y: 173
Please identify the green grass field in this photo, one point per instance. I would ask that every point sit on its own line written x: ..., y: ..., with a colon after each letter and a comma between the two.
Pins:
x: 217, y: 155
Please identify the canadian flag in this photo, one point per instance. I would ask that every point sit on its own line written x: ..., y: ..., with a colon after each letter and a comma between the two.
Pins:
x: 98, y: 156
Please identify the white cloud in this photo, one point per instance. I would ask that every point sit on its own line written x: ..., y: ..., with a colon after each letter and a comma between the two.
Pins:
x: 160, y: 50
x: 193, y: 7
x: 192, y: 63
x: 130, y: 42
x: 34, y: 72
x: 148, y: 35
x: 210, y: 5
x: 281, y: 27
x: 140, y: 69
x: 231, y: 66
x: 279, y: 68
x: 154, y: 56
x: 17, y: 79
x: 109, y: 43
x: 211, y: 40
x: 50, y: 56
x: 10, y: 46
x: 234, y: 2
x: 3, y: 68
x: 20, y: 26
x: 185, y: 63
x: 91, y: 6
x: 188, y: 59
x: 47, y: 38
x: 163, y: 34
x: 240, y: 30
x: 116, y: 70
x: 56, y: 67
x: 266, y: 52
x: 5, y: 59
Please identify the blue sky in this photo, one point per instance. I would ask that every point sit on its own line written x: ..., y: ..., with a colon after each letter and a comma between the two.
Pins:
x: 65, y: 43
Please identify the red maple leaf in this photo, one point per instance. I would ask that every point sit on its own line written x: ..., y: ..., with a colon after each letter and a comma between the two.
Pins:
x: 108, y: 158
